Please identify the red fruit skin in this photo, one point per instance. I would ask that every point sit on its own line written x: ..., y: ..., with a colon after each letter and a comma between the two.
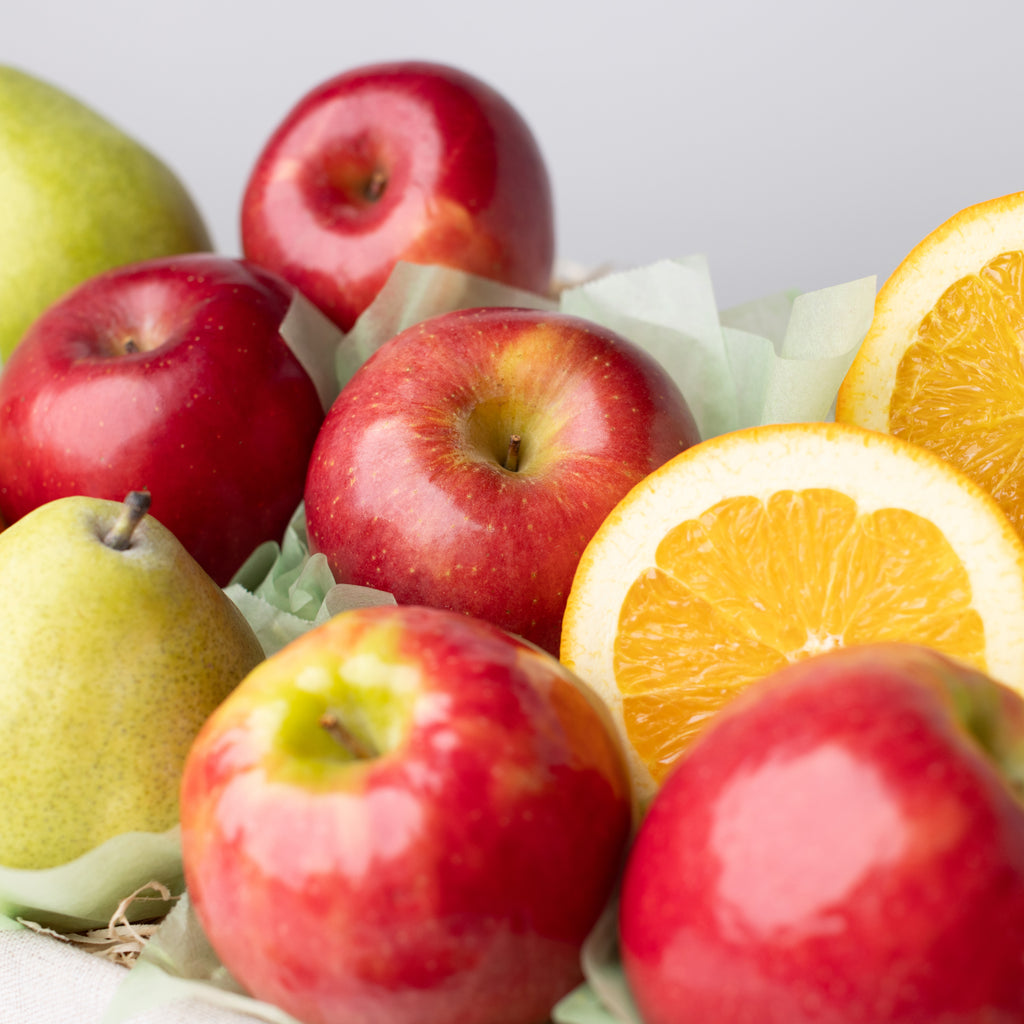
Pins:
x: 838, y: 847
x: 406, y: 491
x: 465, y: 186
x: 452, y: 878
x: 214, y: 414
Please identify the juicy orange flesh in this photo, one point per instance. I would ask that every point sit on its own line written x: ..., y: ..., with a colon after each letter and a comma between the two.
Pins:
x: 751, y: 585
x: 959, y: 387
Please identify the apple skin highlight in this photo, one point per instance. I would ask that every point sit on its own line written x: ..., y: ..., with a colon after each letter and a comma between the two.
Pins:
x: 410, y: 161
x: 844, y: 842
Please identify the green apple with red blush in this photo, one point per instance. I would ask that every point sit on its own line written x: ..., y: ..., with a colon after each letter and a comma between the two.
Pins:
x: 469, y: 461
x: 408, y: 815
x: 402, y: 161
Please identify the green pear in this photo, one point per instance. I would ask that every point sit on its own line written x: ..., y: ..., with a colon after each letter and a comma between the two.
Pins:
x: 77, y: 196
x: 116, y: 646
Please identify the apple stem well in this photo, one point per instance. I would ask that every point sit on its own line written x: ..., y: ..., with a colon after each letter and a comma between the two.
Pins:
x: 136, y: 505
x: 375, y: 185
x: 359, y: 750
x: 512, y: 455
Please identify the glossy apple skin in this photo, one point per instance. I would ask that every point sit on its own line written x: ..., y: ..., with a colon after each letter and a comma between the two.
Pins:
x: 838, y: 847
x: 213, y: 414
x: 407, y: 490
x: 464, y: 185
x: 453, y: 876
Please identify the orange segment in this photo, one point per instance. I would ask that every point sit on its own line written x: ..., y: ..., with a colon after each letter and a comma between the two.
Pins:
x: 751, y: 585
x: 771, y: 545
x: 943, y: 363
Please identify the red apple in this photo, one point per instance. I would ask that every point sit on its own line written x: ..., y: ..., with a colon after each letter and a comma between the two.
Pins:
x: 169, y: 375
x: 412, y: 488
x: 844, y: 843
x: 401, y: 161
x: 406, y: 815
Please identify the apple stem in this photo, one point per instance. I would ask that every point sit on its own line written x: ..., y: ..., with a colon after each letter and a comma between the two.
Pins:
x: 375, y: 185
x: 131, y: 346
x: 337, y: 728
x: 512, y: 455
x: 136, y: 505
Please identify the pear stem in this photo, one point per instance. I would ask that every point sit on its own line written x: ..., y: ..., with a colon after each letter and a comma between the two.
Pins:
x: 337, y: 728
x: 512, y: 455
x: 136, y: 505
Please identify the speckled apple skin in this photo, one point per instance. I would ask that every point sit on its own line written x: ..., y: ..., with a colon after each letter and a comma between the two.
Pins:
x: 213, y: 412
x: 451, y: 878
x: 406, y: 489
x: 77, y: 196
x: 110, y: 662
x: 842, y: 846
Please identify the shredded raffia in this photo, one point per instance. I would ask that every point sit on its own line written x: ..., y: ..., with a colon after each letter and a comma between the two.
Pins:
x: 122, y: 940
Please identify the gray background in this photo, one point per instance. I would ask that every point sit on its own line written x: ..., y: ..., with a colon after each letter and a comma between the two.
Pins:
x: 796, y: 144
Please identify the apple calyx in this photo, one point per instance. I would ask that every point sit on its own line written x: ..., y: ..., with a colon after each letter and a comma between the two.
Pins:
x: 136, y: 505
x: 357, y: 748
x: 512, y: 455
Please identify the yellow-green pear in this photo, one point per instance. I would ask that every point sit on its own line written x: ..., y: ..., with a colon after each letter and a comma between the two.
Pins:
x: 77, y: 196
x: 115, y: 646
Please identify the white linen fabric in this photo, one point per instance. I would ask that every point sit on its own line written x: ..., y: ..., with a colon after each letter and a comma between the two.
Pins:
x: 45, y: 981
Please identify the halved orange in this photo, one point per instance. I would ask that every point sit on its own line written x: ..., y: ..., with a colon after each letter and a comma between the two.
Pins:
x: 943, y: 362
x: 767, y: 545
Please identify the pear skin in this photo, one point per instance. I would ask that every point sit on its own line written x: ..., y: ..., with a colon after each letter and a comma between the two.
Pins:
x: 77, y: 196
x: 111, y: 660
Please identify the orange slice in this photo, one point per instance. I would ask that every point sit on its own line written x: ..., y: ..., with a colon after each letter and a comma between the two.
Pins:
x: 768, y: 545
x: 943, y: 363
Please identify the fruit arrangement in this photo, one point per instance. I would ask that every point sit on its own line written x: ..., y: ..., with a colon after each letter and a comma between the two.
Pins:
x: 438, y: 640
